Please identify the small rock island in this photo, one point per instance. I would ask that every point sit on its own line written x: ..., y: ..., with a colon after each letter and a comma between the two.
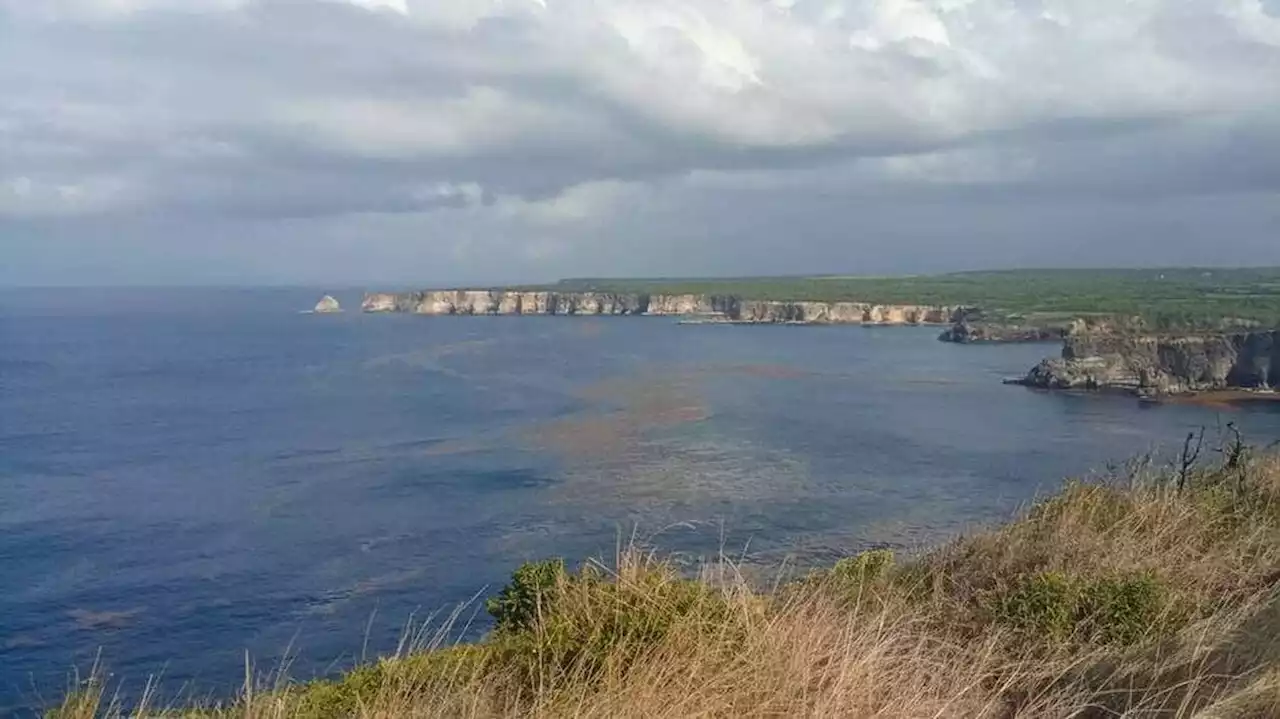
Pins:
x: 327, y: 306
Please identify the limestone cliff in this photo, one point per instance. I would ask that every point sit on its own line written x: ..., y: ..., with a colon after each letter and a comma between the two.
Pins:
x: 1155, y: 363
x: 504, y: 302
x: 966, y: 332
x: 842, y: 313
x: 723, y: 307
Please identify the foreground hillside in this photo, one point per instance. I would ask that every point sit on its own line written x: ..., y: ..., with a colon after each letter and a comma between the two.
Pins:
x: 1150, y: 593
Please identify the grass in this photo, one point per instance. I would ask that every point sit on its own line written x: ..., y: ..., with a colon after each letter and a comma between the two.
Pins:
x: 1144, y: 594
x: 1167, y: 297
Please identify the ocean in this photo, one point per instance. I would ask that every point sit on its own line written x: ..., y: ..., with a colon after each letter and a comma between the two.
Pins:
x: 188, y: 475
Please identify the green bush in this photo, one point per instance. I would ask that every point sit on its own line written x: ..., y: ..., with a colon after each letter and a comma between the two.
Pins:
x: 1123, y: 611
x: 1044, y: 605
x: 342, y: 697
x: 1113, y: 610
x: 554, y: 624
x: 520, y: 603
x: 324, y: 699
x: 864, y: 567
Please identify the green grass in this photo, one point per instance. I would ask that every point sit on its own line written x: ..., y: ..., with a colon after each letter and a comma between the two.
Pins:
x: 1165, y: 296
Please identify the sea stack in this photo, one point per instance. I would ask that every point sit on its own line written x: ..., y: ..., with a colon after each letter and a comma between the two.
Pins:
x: 327, y: 306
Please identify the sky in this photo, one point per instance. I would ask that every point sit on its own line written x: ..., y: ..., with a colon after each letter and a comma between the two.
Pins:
x: 419, y: 142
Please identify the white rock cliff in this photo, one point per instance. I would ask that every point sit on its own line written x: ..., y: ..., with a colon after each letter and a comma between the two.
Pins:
x: 723, y: 307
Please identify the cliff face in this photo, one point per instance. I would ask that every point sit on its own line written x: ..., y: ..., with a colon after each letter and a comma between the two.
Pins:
x: 1162, y: 364
x: 500, y: 302
x: 678, y: 305
x: 964, y: 332
x: 842, y: 313
x: 728, y: 308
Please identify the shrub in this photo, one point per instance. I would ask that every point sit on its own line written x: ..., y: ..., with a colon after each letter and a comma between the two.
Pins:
x: 434, y: 669
x: 1126, y: 610
x: 323, y: 699
x: 852, y: 578
x: 864, y: 567
x: 1044, y: 605
x: 519, y: 604
x: 554, y: 624
x: 1113, y: 610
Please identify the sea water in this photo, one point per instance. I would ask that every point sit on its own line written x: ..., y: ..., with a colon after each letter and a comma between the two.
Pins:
x: 190, y: 475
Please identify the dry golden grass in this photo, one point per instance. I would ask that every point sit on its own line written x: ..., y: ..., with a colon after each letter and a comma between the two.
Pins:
x: 1129, y: 598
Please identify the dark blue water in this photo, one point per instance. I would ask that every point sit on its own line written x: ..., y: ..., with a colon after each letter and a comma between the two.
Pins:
x: 186, y: 475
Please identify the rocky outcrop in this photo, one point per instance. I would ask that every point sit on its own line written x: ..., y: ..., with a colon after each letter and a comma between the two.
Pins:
x: 327, y: 306
x: 688, y: 305
x: 966, y: 332
x: 723, y: 307
x: 389, y: 302
x: 1160, y: 364
x: 768, y: 311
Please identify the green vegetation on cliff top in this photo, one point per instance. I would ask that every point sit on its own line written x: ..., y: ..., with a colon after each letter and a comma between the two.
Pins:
x: 1149, y: 593
x: 1165, y: 296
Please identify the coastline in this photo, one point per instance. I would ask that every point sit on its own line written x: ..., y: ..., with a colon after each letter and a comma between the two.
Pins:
x: 803, y: 323
x: 1100, y: 352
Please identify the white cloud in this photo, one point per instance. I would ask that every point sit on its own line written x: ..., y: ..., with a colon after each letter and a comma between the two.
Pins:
x: 397, y: 6
x: 1252, y: 21
x: 557, y: 118
x: 480, y: 120
x: 900, y: 21
x: 59, y: 10
x: 959, y: 167
x: 652, y: 30
x: 592, y: 203
x: 465, y: 195
x: 23, y: 196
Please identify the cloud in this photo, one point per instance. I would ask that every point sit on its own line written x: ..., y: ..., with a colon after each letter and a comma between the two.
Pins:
x: 532, y: 138
x: 23, y: 196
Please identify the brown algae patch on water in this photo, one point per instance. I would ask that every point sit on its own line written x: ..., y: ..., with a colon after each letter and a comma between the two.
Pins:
x: 642, y: 405
x: 621, y: 410
x: 584, y: 436
x: 610, y: 436
x: 590, y: 328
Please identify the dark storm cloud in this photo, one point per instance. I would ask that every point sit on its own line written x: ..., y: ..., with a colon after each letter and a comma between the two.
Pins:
x: 455, y: 140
